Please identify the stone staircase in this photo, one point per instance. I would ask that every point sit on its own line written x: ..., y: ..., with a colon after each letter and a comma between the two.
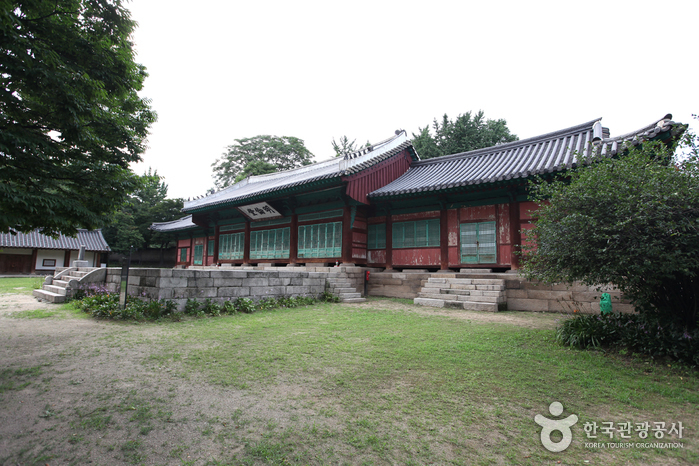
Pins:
x: 59, y: 288
x: 478, y: 294
x: 343, y: 288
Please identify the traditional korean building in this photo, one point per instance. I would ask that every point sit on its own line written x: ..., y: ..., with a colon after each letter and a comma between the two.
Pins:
x: 384, y: 207
x: 35, y: 252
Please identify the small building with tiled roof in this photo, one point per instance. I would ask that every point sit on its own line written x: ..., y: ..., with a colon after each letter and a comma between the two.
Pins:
x: 35, y: 252
x: 384, y: 207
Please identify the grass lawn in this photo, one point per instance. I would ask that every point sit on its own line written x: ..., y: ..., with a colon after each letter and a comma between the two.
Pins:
x: 384, y: 382
x: 400, y: 387
x: 20, y: 285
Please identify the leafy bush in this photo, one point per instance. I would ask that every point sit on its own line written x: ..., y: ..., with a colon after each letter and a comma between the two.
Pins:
x: 641, y: 333
x: 102, y: 304
x: 631, y: 221
x: 327, y: 297
x: 105, y: 305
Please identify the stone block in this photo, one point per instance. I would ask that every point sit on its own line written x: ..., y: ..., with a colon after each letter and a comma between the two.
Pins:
x: 149, y: 281
x: 513, y: 293
x: 290, y: 274
x: 550, y: 295
x: 256, y: 282
x: 134, y: 280
x: 516, y: 304
x: 184, y: 273
x: 536, y: 286
x: 279, y: 281
x: 263, y: 291
x: 589, y: 296
x: 200, y: 282
x: 223, y: 274
x: 298, y: 290
x: 194, y: 293
x: 429, y: 302
x: 233, y: 291
x: 173, y: 282
x: 313, y: 282
x: 219, y: 282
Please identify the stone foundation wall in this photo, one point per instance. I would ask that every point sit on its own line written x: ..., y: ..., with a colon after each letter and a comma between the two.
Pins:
x: 397, y: 284
x: 527, y: 296
x: 178, y: 285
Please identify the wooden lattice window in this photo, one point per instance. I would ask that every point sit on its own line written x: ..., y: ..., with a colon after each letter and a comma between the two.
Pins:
x: 270, y: 244
x: 478, y: 243
x: 321, y: 240
x: 376, y: 236
x: 231, y: 246
x: 417, y: 234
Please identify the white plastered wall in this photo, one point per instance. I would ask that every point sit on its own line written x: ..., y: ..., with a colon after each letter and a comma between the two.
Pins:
x: 49, y: 254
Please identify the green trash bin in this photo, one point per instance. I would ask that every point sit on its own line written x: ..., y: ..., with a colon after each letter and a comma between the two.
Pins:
x: 605, y: 304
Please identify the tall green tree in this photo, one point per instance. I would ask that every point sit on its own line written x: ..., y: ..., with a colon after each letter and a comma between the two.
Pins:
x: 465, y: 133
x: 148, y: 204
x: 71, y: 120
x: 632, y: 222
x: 281, y: 153
x: 344, y: 146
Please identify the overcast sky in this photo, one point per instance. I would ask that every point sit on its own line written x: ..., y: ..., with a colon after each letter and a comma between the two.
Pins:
x: 224, y: 70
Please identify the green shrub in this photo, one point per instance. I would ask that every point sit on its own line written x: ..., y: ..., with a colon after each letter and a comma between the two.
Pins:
x: 640, y: 333
x: 327, y: 297
x: 211, y: 308
x: 245, y: 305
x: 193, y: 308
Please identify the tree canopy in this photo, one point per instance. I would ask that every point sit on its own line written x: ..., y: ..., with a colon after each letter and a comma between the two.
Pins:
x: 71, y: 120
x: 130, y: 226
x: 633, y: 222
x: 467, y: 132
x: 259, y: 155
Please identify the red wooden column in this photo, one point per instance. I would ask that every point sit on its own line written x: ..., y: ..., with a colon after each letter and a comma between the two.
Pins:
x: 246, y: 247
x: 515, y: 235
x: 294, y: 239
x: 190, y: 259
x: 346, y: 235
x: 217, y: 233
x: 443, y: 237
x: 389, y: 241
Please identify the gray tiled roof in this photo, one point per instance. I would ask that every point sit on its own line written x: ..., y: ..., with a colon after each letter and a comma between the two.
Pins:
x: 539, y: 155
x: 91, y: 239
x: 183, y: 223
x: 333, y: 168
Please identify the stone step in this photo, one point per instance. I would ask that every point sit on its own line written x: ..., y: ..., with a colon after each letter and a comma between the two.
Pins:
x: 444, y: 297
x: 349, y: 295
x: 456, y: 291
x: 476, y: 271
x: 55, y: 289
x: 483, y: 299
x: 61, y: 283
x: 353, y: 300
x: 349, y: 289
x: 478, y: 306
x: 49, y: 296
x: 431, y: 302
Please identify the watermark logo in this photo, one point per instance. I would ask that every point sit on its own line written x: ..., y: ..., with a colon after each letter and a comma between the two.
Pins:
x: 549, y: 426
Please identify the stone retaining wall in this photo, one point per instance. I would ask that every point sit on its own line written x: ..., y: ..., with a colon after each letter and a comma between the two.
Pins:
x: 178, y: 285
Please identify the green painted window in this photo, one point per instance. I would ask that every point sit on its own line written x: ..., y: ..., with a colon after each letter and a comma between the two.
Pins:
x: 377, y: 236
x: 478, y: 244
x: 210, y: 248
x: 230, y: 247
x: 270, y: 244
x: 417, y: 234
x: 198, y: 254
x: 183, y: 254
x: 321, y: 240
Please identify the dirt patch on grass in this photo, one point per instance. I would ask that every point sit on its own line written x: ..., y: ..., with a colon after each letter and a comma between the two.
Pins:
x: 543, y: 320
